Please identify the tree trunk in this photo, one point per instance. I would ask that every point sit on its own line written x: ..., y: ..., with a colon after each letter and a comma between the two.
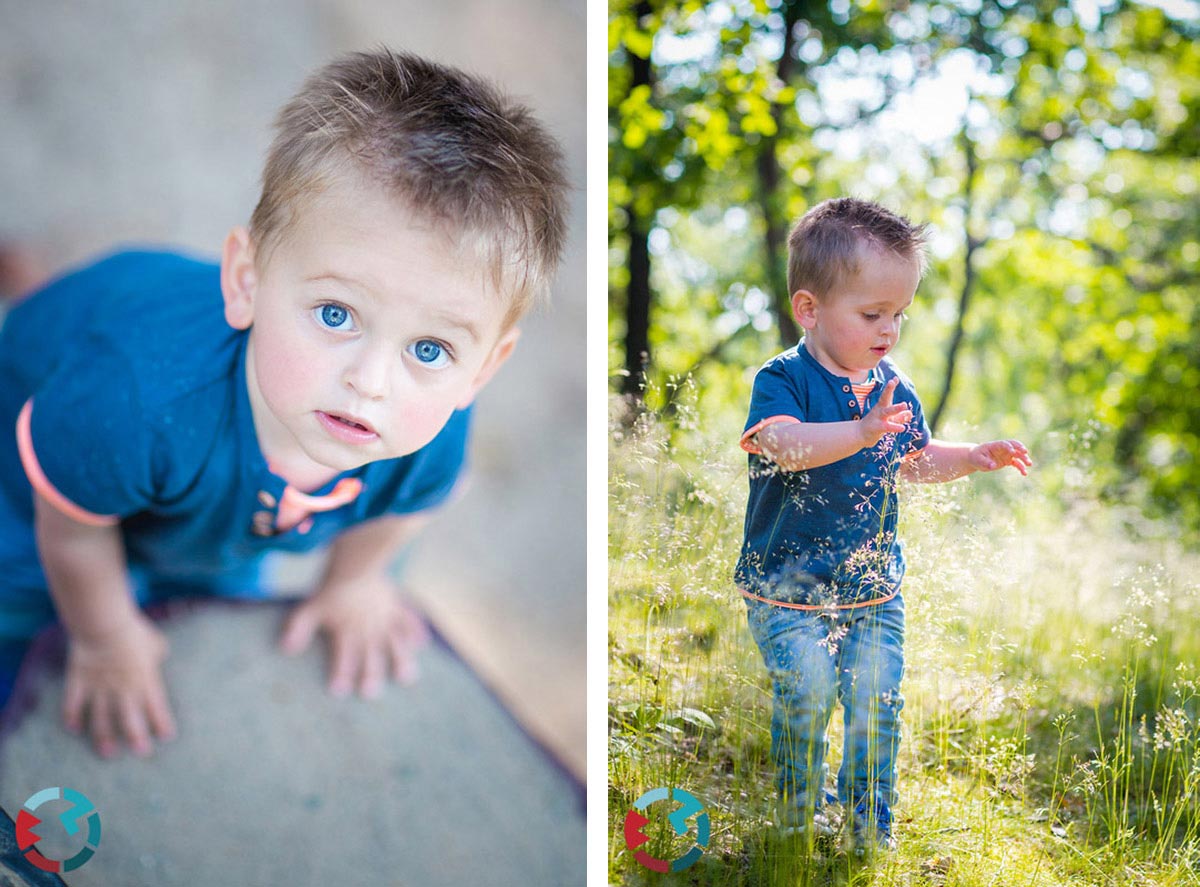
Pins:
x: 637, y: 306
x: 964, y: 299
x: 769, y: 176
x: 638, y: 295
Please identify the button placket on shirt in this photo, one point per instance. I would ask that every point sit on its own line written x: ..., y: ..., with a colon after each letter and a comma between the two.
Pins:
x: 263, y: 522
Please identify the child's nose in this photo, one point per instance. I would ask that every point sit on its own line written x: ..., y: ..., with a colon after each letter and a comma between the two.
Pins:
x: 368, y: 374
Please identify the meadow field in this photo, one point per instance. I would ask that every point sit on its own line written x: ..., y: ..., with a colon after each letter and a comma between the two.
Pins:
x: 1052, y: 683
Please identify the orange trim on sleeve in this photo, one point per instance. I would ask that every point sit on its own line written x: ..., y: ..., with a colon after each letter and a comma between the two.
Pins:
x: 912, y: 454
x: 750, y: 446
x: 39, y: 481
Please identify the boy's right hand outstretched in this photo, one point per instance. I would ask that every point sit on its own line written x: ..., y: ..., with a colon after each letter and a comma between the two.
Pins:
x: 114, y: 681
x: 885, y: 417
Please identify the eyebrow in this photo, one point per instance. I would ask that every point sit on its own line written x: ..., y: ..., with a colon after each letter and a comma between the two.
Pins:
x: 884, y: 303
x: 465, y: 324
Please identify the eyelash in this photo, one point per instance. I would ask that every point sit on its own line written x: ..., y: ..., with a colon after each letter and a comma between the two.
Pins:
x: 900, y: 315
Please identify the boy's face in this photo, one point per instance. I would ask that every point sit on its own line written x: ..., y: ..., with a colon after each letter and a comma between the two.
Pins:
x: 368, y: 328
x: 851, y: 327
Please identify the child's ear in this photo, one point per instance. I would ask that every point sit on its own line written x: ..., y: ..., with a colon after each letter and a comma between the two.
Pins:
x: 804, y: 308
x: 502, y: 350
x: 239, y: 278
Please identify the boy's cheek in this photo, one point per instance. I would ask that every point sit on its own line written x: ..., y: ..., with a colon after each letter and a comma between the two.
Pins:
x: 417, y: 423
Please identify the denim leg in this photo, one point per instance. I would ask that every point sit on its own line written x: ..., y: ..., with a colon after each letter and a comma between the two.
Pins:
x: 870, y: 671
x: 804, y: 685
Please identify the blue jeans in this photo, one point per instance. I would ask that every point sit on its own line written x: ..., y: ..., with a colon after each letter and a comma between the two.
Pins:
x: 816, y: 659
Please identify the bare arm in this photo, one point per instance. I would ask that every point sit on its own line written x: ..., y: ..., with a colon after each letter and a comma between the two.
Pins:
x: 368, y: 549
x: 371, y: 633
x: 942, y: 461
x: 798, y: 446
x: 86, y: 569
x: 114, y: 656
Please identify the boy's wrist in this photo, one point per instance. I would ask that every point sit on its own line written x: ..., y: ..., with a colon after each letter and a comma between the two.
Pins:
x: 117, y: 623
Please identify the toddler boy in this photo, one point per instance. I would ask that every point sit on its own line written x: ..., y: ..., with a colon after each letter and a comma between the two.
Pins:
x: 172, y: 422
x: 833, y: 424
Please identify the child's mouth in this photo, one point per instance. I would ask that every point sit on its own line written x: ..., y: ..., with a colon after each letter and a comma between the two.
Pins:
x: 346, y: 429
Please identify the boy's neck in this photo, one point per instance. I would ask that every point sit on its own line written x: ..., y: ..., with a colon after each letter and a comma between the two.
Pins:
x: 302, y: 474
x: 818, y: 354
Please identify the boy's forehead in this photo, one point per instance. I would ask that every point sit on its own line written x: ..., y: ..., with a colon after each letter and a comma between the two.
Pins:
x: 881, y: 276
x: 368, y: 235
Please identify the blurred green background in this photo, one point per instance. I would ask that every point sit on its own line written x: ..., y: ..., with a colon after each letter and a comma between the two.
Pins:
x: 1050, y: 146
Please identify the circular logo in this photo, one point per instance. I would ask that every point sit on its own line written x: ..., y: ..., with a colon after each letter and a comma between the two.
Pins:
x: 81, y: 808
x: 635, y: 837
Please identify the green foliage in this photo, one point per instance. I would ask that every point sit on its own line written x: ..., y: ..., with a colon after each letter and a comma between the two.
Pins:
x: 1082, y: 197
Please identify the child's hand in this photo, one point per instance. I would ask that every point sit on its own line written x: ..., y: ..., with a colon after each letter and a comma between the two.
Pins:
x: 885, y: 417
x: 116, y: 681
x: 997, y: 454
x: 371, y: 634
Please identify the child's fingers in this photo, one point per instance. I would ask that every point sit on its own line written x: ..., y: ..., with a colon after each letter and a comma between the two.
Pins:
x: 885, y: 399
x: 374, y: 670
x: 133, y: 724
x: 298, y: 633
x: 404, y: 662
x: 344, y: 665
x: 158, y: 711
x: 72, y: 707
x: 100, y: 724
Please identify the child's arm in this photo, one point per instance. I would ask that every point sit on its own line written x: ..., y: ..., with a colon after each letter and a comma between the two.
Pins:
x: 798, y: 446
x: 115, y: 653
x: 941, y: 461
x: 371, y: 633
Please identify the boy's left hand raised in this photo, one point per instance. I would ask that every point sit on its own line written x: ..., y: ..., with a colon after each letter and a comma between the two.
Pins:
x: 371, y: 634
x: 997, y: 454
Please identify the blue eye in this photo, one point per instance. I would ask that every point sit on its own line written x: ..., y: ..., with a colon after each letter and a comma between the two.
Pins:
x: 335, y: 317
x: 430, y: 353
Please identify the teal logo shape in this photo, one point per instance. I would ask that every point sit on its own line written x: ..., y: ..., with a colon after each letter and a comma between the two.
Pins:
x: 81, y: 809
x: 678, y: 818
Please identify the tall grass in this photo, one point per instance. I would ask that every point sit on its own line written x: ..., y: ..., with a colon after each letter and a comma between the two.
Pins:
x: 1052, y: 681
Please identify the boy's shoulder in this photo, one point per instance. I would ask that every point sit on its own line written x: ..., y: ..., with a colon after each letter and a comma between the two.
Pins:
x: 138, y: 336
x: 155, y: 316
x: 790, y: 364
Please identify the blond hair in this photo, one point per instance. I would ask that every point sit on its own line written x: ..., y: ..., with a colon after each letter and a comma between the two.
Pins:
x: 826, y: 245
x: 446, y: 143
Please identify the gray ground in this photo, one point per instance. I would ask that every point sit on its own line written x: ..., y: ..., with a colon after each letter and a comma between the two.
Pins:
x: 144, y: 122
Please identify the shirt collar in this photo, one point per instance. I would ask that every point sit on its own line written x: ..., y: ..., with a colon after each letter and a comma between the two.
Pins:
x: 874, y: 376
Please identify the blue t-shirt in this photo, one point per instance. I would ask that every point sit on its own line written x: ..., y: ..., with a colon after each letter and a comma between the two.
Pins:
x: 826, y: 535
x: 134, y: 389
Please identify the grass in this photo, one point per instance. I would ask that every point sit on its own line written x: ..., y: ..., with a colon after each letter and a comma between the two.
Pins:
x: 1052, y: 682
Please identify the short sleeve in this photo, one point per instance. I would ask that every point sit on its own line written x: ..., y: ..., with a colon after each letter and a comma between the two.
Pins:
x: 776, y: 398
x: 919, y: 433
x: 425, y: 478
x: 83, y: 438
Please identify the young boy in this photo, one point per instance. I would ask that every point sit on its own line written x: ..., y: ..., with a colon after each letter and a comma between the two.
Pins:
x: 176, y: 421
x: 832, y: 425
